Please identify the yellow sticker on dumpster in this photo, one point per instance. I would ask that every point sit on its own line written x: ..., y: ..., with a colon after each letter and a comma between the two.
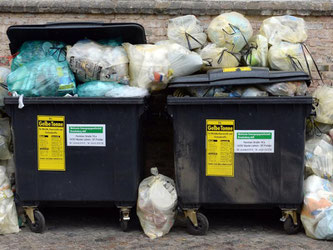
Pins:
x: 51, y: 143
x: 220, y: 147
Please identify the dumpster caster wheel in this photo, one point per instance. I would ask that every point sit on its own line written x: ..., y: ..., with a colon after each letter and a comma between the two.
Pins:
x: 124, y: 225
x: 201, y: 228
x: 290, y: 227
x: 39, y: 225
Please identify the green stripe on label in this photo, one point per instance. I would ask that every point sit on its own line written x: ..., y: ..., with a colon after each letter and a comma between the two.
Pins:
x: 254, y: 135
x: 86, y: 130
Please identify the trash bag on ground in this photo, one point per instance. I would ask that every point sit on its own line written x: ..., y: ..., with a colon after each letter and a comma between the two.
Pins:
x: 36, y: 50
x: 319, y: 156
x: 214, y: 57
x: 253, y: 92
x: 4, y: 149
x: 324, y: 108
x: 289, y: 57
x: 256, y: 52
x: 109, y: 89
x: 3, y: 94
x: 156, y: 206
x: 91, y: 61
x: 45, y: 77
x: 183, y: 62
x: 8, y: 214
x: 284, y: 28
x: 317, y: 212
x: 4, y: 72
x: 187, y: 31
x: 230, y: 30
x: 149, y: 66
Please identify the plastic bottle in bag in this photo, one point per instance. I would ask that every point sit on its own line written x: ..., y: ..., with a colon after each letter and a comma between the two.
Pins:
x: 187, y: 31
x: 156, y: 206
x: 284, y: 28
x: 230, y: 30
x: 91, y: 61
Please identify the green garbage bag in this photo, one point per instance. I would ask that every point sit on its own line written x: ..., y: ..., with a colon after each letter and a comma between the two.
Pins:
x: 45, y: 77
x: 36, y: 50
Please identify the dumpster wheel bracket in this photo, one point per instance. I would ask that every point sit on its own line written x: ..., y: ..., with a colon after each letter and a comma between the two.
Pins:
x: 29, y: 211
x: 191, y: 214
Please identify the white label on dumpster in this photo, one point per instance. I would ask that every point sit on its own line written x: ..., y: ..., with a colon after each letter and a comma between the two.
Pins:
x: 254, y: 141
x: 86, y: 135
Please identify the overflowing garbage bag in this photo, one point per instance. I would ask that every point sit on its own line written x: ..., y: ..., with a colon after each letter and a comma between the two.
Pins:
x: 44, y: 77
x: 286, y: 88
x: 289, y: 57
x: 148, y: 65
x: 37, y: 50
x: 92, y: 61
x: 187, y: 31
x: 156, y: 206
x: 8, y: 214
x: 319, y: 156
x: 256, y: 51
x: 230, y: 30
x: 182, y: 61
x: 284, y: 28
x: 214, y: 57
x: 324, y: 108
x: 109, y: 89
x: 317, y: 212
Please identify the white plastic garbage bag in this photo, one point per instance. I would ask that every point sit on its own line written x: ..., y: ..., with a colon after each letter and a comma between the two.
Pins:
x: 183, y: 62
x: 4, y: 72
x: 253, y: 92
x: 230, y: 30
x: 214, y: 57
x: 92, y: 61
x: 284, y: 28
x: 148, y: 65
x: 319, y: 156
x: 257, y: 51
x: 8, y: 214
x: 317, y: 212
x: 187, y: 31
x: 289, y: 57
x: 157, y: 201
x: 324, y: 109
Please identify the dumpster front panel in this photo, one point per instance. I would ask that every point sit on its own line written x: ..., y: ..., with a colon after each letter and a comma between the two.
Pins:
x: 259, y: 178
x: 109, y: 173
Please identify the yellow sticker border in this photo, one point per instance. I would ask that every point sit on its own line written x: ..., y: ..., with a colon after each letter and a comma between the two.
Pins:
x: 64, y: 134
x: 233, y: 150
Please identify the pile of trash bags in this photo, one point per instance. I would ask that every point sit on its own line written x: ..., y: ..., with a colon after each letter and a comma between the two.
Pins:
x: 317, y: 212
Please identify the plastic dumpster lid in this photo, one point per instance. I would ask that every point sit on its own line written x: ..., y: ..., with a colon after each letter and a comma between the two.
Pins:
x: 70, y: 33
x: 238, y: 76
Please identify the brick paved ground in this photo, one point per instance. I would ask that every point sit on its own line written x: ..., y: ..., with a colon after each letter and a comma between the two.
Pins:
x: 97, y: 229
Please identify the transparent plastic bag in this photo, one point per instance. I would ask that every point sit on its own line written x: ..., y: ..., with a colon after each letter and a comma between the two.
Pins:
x: 280, y: 89
x: 257, y: 52
x: 91, y: 61
x: 289, y: 57
x: 253, y: 92
x: 316, y: 215
x: 284, y: 28
x: 156, y: 205
x: 149, y: 66
x: 319, y: 156
x: 324, y: 109
x: 37, y: 50
x: 187, y: 31
x: 230, y: 30
x: 183, y: 62
x: 8, y: 214
x: 4, y: 72
x: 45, y: 77
x: 214, y: 57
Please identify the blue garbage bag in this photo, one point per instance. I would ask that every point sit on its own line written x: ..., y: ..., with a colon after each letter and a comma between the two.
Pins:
x: 36, y: 50
x: 44, y: 77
